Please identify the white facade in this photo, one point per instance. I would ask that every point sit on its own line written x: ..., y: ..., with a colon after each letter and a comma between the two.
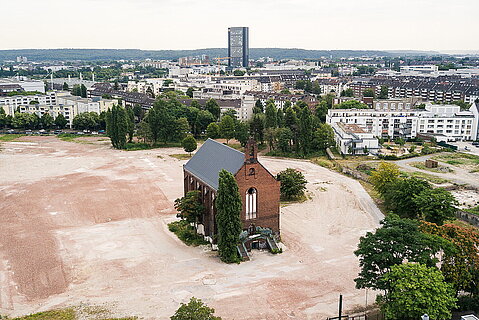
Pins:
x: 10, y: 104
x: 54, y: 110
x: 25, y: 83
x: 353, y: 139
x: 446, y: 120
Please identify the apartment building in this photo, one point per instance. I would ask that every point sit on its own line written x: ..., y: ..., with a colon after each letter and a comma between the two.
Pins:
x: 353, y: 139
x: 446, y: 122
x: 67, y: 111
x: 11, y: 103
x: 20, y: 84
x: 280, y: 99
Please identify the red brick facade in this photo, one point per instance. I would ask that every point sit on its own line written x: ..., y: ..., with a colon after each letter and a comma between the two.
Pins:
x: 251, y: 175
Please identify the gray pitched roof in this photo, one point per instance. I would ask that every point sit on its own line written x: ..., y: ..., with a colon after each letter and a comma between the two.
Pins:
x: 211, y: 158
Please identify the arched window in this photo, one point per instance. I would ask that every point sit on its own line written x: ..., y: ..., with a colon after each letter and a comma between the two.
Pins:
x: 251, y: 203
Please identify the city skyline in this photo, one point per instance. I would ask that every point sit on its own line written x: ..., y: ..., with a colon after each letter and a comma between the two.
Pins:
x: 307, y: 24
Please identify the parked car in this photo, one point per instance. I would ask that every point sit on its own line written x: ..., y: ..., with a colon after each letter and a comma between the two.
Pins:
x: 79, y: 132
x: 101, y: 131
x: 475, y: 143
x: 28, y: 132
x: 57, y: 132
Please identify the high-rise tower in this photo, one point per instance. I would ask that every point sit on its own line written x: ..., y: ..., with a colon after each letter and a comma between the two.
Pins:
x: 238, y: 47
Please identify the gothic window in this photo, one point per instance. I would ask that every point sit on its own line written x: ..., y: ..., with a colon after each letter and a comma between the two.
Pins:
x: 251, y: 203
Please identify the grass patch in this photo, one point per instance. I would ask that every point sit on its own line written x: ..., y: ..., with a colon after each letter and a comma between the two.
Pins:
x: 459, y: 159
x: 425, y: 176
x: 186, y: 233
x: 134, y: 146
x: 323, y: 163
x: 304, y: 197
x: 474, y: 210
x: 10, y: 137
x: 181, y: 156
x: 67, y: 137
x: 63, y: 314
x: 439, y: 169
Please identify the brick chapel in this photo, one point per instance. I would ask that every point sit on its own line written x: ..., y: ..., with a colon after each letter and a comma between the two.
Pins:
x: 259, y: 189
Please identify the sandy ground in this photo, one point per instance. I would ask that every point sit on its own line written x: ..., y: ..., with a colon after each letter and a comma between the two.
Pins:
x: 82, y: 223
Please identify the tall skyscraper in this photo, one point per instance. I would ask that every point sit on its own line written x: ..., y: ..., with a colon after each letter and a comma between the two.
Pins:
x: 238, y: 47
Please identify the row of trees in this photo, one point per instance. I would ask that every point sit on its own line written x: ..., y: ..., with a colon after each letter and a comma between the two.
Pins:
x: 293, y: 128
x: 31, y: 121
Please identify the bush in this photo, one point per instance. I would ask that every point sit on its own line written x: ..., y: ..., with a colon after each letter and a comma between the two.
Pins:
x: 186, y: 233
x: 293, y: 184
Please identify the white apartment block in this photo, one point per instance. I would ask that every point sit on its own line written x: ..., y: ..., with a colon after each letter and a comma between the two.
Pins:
x: 67, y: 111
x: 10, y: 104
x: 446, y: 122
x: 25, y: 83
x: 353, y: 139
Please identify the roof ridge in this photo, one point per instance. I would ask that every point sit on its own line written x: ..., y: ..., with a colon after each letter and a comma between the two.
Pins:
x: 225, y: 145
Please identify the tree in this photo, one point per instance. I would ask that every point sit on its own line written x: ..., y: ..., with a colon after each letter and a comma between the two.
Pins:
x: 323, y: 137
x: 383, y: 94
x: 280, y: 118
x: 305, y: 130
x: 194, y: 310
x: 181, y: 129
x: 270, y: 116
x: 213, y: 107
x: 459, y: 264
x: 347, y: 93
x: 76, y: 91
x: 435, y: 205
x: 228, y: 209
x: 284, y: 139
x: 383, y: 175
x: 321, y: 111
x: 190, y: 207
x: 415, y: 290
x: 227, y: 128
x: 270, y: 135
x: 400, y: 194
x: 117, y: 126
x: 161, y: 122
x: 86, y: 120
x: 394, y: 242
x: 131, y: 124
x: 258, y: 107
x: 83, y: 91
x: 369, y: 93
x: 189, y: 144
x: 60, y: 121
x: 65, y: 87
x: 242, y: 132
x: 203, y: 119
x: 213, y: 131
x: 256, y: 127
x: 144, y: 131
x: 46, y: 120
x: 293, y: 184
x: 189, y: 92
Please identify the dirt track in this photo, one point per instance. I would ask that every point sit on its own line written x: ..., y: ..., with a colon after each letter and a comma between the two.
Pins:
x: 85, y: 223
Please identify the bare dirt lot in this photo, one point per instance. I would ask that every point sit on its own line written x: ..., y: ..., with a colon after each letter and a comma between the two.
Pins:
x: 82, y: 223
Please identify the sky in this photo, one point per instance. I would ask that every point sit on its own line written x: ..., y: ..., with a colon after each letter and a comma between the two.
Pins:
x: 440, y: 25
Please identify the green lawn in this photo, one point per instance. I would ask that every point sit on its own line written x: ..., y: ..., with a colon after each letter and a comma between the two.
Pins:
x: 10, y: 137
x: 186, y: 233
x: 66, y: 314
x: 425, y: 176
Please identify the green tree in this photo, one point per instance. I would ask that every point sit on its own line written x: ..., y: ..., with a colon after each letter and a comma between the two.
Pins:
x: 65, y: 87
x: 285, y: 137
x: 161, y: 122
x: 293, y: 184
x: 228, y: 209
x: 258, y: 107
x: 117, y: 126
x: 383, y: 94
x: 280, y: 118
x: 347, y: 93
x: 181, y: 129
x: 194, y: 310
x: 86, y: 120
x: 144, y: 131
x: 60, y: 121
x: 213, y: 107
x: 83, y: 91
x: 131, y: 124
x: 46, y: 121
x: 351, y: 104
x: 383, y: 175
x: 415, y: 290
x: 189, y: 144
x: 271, y: 135
x: 435, y: 205
x: 323, y: 137
x: 203, y: 119
x: 369, y: 93
x: 242, y: 132
x: 395, y: 241
x: 305, y: 130
x: 256, y: 127
x: 76, y: 91
x: 270, y: 116
x: 213, y: 130
x: 227, y: 128
x: 321, y: 111
x: 190, y: 91
x: 399, y: 196
x: 190, y: 207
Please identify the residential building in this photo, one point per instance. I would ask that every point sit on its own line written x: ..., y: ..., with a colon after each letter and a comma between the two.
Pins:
x: 20, y: 83
x: 353, y: 139
x: 11, y: 103
x: 238, y: 47
x: 446, y: 121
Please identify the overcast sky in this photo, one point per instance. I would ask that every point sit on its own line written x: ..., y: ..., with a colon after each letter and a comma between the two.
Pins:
x: 192, y: 24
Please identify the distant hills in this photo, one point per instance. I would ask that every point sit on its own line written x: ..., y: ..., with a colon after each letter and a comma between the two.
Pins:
x: 136, y: 54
